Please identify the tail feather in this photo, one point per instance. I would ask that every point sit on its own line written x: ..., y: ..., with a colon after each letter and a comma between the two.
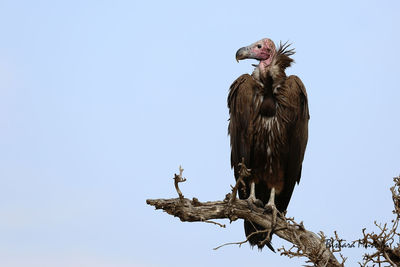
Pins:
x: 250, y: 227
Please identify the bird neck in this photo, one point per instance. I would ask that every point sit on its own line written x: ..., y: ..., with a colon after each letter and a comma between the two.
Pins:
x: 266, y: 66
x: 266, y: 72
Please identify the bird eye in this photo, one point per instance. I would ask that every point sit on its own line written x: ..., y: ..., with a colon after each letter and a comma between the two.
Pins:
x: 259, y: 46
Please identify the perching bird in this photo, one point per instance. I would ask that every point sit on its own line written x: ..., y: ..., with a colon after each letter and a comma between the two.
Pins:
x: 268, y: 128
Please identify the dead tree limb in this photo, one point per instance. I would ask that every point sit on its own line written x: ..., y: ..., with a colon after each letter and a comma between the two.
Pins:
x: 384, y: 241
x: 307, y: 243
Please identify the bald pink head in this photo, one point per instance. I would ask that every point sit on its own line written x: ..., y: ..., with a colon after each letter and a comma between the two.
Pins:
x: 263, y: 50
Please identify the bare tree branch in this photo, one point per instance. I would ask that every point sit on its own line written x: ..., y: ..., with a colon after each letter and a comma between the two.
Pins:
x: 388, y: 251
x: 307, y: 243
x: 179, y: 179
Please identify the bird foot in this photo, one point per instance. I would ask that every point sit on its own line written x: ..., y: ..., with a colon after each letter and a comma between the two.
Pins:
x: 268, y: 208
x: 252, y: 201
x: 271, y: 208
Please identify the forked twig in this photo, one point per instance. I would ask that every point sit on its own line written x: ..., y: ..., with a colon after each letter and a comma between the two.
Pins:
x: 179, y: 179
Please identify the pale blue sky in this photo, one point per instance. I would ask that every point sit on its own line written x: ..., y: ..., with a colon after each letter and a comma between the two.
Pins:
x: 101, y: 101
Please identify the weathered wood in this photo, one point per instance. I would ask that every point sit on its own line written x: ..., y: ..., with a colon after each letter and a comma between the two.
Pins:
x: 310, y: 244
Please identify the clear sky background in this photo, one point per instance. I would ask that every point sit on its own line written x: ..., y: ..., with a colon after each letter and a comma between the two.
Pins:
x: 101, y: 101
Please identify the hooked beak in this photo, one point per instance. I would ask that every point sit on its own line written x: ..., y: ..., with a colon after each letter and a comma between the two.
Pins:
x: 243, y: 53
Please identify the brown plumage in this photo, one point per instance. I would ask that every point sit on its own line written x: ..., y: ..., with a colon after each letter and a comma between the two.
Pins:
x: 268, y: 126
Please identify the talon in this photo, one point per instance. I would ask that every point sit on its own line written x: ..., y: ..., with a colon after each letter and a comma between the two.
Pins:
x: 258, y: 203
x: 272, y: 208
x: 254, y: 201
x: 269, y: 207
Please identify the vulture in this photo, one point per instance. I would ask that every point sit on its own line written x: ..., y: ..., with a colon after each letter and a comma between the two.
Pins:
x: 268, y: 128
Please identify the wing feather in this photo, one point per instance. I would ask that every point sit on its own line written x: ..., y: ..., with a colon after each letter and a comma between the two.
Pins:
x: 297, y: 138
x: 241, y: 111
